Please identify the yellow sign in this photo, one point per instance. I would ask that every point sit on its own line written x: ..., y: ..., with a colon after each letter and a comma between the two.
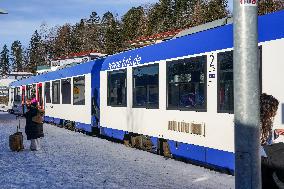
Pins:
x: 76, y: 90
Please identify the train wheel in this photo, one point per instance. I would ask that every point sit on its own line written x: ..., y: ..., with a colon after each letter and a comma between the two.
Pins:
x: 163, y: 148
x: 126, y: 140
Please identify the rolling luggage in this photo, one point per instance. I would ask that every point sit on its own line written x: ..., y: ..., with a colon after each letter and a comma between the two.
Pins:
x: 16, y: 140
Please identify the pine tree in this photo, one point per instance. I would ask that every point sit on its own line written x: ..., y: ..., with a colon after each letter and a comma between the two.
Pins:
x: 26, y: 60
x: 91, y: 33
x: 36, y: 52
x: 94, y: 18
x: 208, y: 11
x: 166, y: 15
x: 161, y: 17
x: 77, y: 39
x: 153, y: 20
x: 111, y: 35
x: 268, y: 6
x: 199, y: 14
x: 131, y: 23
x: 113, y: 38
x: 4, y: 61
x: 216, y: 9
x: 17, y: 56
x: 182, y: 11
x: 63, y: 41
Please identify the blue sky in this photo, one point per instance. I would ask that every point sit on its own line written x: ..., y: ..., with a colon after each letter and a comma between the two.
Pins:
x: 25, y: 16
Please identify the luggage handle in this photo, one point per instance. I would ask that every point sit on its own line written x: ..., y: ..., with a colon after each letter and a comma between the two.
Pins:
x: 19, y: 126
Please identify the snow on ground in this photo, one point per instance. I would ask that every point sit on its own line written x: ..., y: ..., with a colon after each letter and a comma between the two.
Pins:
x: 73, y: 160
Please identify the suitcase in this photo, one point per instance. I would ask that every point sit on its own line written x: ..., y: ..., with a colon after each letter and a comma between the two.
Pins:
x: 16, y: 140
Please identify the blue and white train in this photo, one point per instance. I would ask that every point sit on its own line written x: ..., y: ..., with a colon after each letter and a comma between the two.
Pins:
x: 178, y: 93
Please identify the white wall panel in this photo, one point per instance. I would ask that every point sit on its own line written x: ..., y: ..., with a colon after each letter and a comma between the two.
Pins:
x: 154, y: 122
x: 78, y: 113
x: 272, y: 75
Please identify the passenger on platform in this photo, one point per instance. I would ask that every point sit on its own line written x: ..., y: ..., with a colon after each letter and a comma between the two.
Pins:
x: 34, y: 100
x: 272, y: 164
x: 34, y: 125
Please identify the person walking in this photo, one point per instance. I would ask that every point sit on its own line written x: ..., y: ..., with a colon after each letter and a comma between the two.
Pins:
x: 34, y: 125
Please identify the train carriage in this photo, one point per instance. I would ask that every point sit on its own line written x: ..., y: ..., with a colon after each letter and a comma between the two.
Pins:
x: 67, y: 95
x: 178, y: 93
x: 181, y: 91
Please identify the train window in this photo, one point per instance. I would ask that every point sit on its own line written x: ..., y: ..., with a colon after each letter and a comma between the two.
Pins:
x: 17, y: 96
x: 47, y: 92
x: 55, y: 92
x: 40, y: 95
x: 186, y: 80
x: 23, y: 95
x: 30, y: 92
x: 117, y: 88
x: 225, y: 82
x: 12, y: 94
x: 66, y: 91
x: 146, y: 86
x: 79, y: 90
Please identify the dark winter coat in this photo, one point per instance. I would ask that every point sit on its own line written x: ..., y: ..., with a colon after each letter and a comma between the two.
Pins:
x: 272, y: 164
x: 33, y: 130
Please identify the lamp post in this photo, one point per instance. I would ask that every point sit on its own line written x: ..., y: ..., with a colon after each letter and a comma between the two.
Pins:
x: 246, y: 92
x: 3, y: 11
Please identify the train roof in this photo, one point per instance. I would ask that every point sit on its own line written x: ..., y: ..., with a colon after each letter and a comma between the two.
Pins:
x: 76, y: 70
x: 270, y: 27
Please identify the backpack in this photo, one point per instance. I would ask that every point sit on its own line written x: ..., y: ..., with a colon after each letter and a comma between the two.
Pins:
x: 39, y: 117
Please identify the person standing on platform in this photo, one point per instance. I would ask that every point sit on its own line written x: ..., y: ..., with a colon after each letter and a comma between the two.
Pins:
x: 34, y: 125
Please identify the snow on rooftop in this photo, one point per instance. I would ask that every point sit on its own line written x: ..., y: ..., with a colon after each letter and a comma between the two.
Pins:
x: 6, y: 82
x: 20, y: 73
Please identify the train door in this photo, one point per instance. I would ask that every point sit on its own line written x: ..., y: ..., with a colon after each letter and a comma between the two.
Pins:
x: 23, y: 99
x: 39, y: 95
x: 11, y: 99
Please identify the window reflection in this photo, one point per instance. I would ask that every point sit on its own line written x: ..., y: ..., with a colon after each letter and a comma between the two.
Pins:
x: 225, y: 82
x: 117, y: 88
x: 47, y: 92
x: 79, y: 90
x: 17, y: 96
x: 66, y: 91
x: 186, y: 83
x: 56, y: 92
x: 146, y: 86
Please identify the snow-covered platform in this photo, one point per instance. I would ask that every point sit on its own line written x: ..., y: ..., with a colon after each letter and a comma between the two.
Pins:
x: 74, y: 160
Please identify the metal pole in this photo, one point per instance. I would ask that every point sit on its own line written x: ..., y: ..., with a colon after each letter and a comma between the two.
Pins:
x: 246, y: 95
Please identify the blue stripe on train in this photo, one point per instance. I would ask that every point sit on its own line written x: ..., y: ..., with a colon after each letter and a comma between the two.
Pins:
x: 204, y: 155
x: 56, y: 121
x: 83, y: 126
x: 48, y: 119
x: 113, y: 133
x: 199, y: 154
